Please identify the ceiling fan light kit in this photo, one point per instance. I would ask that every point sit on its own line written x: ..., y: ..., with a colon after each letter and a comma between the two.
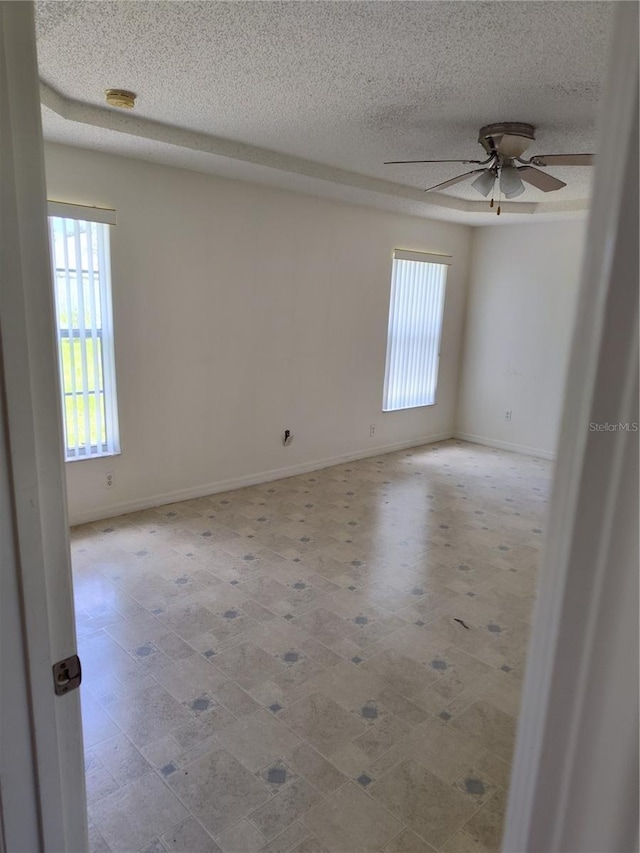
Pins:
x: 511, y: 185
x: 505, y: 143
x: 484, y: 182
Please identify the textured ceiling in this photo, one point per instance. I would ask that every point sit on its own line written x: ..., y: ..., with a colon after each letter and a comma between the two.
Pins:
x: 311, y: 88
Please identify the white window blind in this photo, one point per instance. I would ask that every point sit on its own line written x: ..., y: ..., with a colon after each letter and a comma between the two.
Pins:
x: 84, y: 326
x: 415, y: 323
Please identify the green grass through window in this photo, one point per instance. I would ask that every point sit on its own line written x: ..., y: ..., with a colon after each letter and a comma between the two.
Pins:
x: 76, y: 409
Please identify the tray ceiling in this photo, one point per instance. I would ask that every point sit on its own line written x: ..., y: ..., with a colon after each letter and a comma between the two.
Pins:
x: 314, y: 96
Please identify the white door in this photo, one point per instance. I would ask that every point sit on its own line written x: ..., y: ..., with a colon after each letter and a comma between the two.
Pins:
x: 41, y: 763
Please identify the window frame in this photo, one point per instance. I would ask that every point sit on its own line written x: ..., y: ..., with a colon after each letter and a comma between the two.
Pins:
x: 106, y: 393
x: 395, y: 303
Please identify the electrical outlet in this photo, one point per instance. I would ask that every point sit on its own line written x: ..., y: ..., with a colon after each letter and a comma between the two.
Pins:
x: 507, y: 415
x: 109, y: 480
x: 372, y: 429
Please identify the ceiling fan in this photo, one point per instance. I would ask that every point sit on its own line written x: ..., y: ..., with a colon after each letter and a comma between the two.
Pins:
x: 505, y: 143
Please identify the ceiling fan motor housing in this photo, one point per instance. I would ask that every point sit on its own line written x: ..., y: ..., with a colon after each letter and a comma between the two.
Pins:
x: 508, y: 139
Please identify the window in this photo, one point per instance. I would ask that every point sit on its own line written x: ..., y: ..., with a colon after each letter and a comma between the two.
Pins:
x: 415, y: 323
x: 79, y: 238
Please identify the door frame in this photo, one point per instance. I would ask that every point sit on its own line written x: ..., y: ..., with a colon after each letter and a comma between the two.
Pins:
x: 574, y: 785
x: 43, y: 787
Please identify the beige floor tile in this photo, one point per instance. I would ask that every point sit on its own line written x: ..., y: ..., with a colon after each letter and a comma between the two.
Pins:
x: 97, y: 725
x: 257, y: 739
x: 399, y: 673
x: 381, y: 735
x: 189, y: 837
x: 100, y: 783
x: 487, y: 825
x: 319, y: 653
x: 430, y: 807
x: 326, y: 725
x: 143, y: 628
x: 313, y: 767
x: 121, y: 759
x: 202, y: 727
x: 408, y: 842
x: 187, y: 619
x: 350, y: 820
x: 264, y: 589
x: 179, y: 680
x: 97, y: 844
x: 276, y: 636
x: 495, y: 769
x: 161, y: 751
x: 218, y: 790
x: 102, y: 655
x: 288, y: 840
x: 148, y: 714
x: 173, y: 647
x: 324, y: 626
x: 310, y: 845
x: 501, y: 689
x: 248, y: 665
x: 137, y: 813
x: 388, y: 597
x: 490, y: 726
x: 457, y: 670
x: 299, y: 677
x: 350, y: 760
x: 392, y: 757
x: 235, y: 699
x: 348, y: 685
x: 270, y: 695
x: 463, y: 843
x: 186, y: 756
x: 401, y: 707
x: 441, y: 749
x: 243, y: 837
x: 286, y: 807
x: 416, y: 643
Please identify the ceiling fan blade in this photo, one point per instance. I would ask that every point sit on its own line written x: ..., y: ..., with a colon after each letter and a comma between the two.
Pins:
x: 542, y: 180
x: 397, y: 162
x: 564, y: 159
x: 453, y: 181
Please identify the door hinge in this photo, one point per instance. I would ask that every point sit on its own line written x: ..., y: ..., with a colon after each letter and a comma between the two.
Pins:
x: 67, y: 675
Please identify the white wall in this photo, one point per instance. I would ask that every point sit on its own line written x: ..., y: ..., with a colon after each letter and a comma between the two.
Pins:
x: 522, y: 300
x: 240, y: 311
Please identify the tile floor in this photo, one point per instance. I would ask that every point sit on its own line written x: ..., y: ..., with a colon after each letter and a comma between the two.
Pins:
x: 331, y: 662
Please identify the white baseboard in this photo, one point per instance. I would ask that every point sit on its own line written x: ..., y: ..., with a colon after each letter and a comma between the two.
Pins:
x: 249, y: 480
x: 505, y: 445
